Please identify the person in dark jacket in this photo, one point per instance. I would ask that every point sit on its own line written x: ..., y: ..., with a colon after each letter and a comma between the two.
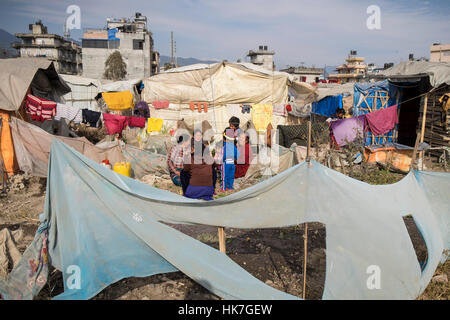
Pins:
x: 200, y: 169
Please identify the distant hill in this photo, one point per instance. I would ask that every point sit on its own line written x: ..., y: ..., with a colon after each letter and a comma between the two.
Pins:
x: 6, y: 39
x: 183, y: 61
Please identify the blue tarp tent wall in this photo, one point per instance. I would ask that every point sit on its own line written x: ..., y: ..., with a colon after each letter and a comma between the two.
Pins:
x: 109, y: 227
x: 370, y: 97
x: 327, y: 106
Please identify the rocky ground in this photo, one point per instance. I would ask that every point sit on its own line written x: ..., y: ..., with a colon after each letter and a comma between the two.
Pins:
x: 274, y: 256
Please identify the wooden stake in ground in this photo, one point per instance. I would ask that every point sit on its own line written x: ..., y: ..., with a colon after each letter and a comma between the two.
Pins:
x: 413, y: 159
x: 222, y: 246
x: 305, y: 234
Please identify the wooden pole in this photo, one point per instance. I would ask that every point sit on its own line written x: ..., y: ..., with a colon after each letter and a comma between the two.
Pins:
x: 413, y: 159
x: 422, y: 133
x: 222, y: 245
x: 305, y: 234
x: 305, y: 249
x: 308, y: 150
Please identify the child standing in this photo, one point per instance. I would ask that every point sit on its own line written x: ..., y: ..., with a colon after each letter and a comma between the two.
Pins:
x: 230, y: 155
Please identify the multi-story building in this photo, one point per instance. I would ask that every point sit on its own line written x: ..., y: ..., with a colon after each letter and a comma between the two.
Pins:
x: 440, y: 53
x: 128, y: 36
x: 305, y: 74
x: 352, y: 71
x: 262, y: 57
x: 65, y: 54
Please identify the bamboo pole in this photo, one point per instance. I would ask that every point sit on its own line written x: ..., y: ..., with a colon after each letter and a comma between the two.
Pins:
x: 305, y: 234
x: 422, y: 133
x: 222, y: 245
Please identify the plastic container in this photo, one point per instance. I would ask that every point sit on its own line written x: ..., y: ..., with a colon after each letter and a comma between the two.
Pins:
x: 123, y: 168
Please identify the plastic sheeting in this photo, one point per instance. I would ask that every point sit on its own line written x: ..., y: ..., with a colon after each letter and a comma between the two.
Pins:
x: 18, y: 74
x: 83, y: 92
x: 364, y: 102
x: 222, y: 83
x: 32, y: 148
x: 144, y: 162
x: 438, y: 72
x: 327, y: 106
x: 116, y: 231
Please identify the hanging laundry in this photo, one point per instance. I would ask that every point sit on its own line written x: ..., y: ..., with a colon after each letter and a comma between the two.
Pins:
x: 71, y: 113
x: 141, y: 109
x: 347, y: 130
x: 136, y: 122
x: 246, y: 108
x: 261, y: 116
x: 154, y: 124
x: 6, y: 146
x: 91, y: 117
x: 279, y: 109
x: 114, y: 123
x: 200, y: 106
x: 382, y: 121
x: 40, y: 109
x: 118, y: 100
x: 160, y: 104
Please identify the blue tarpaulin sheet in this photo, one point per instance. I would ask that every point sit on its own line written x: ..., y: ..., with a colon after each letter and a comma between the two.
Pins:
x: 110, y: 227
x: 112, y: 34
x: 327, y: 106
x: 370, y: 104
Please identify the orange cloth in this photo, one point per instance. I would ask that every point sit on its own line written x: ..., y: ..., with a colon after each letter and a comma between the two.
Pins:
x: 200, y: 106
x: 6, y: 144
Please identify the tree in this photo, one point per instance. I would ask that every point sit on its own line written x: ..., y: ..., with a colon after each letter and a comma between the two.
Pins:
x: 115, y: 67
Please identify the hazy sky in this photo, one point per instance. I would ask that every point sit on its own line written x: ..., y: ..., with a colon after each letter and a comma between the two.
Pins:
x: 313, y: 32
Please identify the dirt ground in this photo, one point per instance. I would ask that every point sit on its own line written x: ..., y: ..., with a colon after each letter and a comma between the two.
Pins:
x: 275, y: 256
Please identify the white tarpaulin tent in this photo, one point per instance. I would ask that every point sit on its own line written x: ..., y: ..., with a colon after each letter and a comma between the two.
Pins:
x: 84, y: 90
x: 223, y: 83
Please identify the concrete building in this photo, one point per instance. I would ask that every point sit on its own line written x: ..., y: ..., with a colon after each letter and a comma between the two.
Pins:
x: 128, y: 36
x: 262, y: 57
x: 65, y: 54
x: 305, y: 74
x: 440, y: 53
x: 352, y: 71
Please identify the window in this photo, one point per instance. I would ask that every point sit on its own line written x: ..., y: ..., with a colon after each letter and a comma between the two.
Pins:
x: 138, y: 44
x: 101, y: 44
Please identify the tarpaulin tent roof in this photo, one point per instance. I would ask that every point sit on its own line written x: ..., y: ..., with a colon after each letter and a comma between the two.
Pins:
x: 438, y: 72
x: 83, y: 92
x: 223, y: 83
x: 119, y: 230
x: 333, y: 89
x: 17, y: 74
x: 122, y: 85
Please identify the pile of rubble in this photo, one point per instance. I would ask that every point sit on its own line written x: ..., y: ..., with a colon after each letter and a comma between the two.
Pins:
x: 16, y: 183
x: 160, y: 181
